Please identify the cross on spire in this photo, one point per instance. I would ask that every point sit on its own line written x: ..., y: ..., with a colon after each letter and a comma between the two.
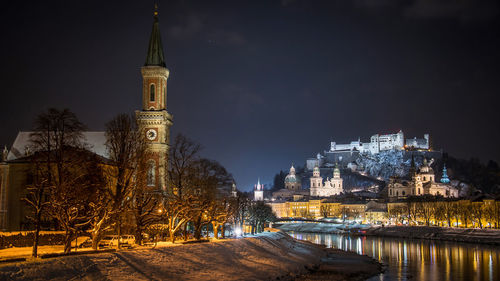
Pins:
x: 155, y: 55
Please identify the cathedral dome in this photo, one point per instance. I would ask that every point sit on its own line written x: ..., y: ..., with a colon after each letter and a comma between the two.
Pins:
x: 291, y: 179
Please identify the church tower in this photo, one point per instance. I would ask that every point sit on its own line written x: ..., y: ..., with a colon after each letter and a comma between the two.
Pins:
x: 154, y: 121
x: 258, y: 191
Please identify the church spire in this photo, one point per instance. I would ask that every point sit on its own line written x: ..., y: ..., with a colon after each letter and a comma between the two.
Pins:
x: 155, y: 55
x: 444, y: 178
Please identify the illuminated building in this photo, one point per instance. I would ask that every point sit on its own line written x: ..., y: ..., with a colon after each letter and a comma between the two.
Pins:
x: 330, y: 187
x: 422, y: 182
x: 154, y: 122
x: 293, y: 187
x: 258, y: 191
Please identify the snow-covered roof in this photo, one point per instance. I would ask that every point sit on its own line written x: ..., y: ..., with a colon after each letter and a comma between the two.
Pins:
x: 96, y: 142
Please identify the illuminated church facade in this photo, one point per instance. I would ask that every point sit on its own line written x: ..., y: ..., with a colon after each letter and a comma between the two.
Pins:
x: 422, y: 182
x: 330, y: 187
x: 154, y: 122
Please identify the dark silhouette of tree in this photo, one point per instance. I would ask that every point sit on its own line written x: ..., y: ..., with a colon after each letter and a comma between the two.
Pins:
x: 54, y: 133
x: 259, y: 214
x: 127, y: 149
x: 279, y: 181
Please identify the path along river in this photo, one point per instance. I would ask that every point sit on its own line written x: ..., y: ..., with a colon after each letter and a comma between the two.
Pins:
x: 418, y: 259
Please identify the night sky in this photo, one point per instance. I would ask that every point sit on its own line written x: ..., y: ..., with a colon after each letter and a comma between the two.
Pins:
x: 262, y: 84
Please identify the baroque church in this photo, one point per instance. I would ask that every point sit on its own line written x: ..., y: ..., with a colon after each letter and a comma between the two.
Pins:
x: 318, y: 188
x: 330, y: 187
x: 153, y: 119
x: 422, y: 182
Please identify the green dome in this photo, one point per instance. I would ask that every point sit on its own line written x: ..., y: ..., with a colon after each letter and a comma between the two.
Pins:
x: 291, y: 179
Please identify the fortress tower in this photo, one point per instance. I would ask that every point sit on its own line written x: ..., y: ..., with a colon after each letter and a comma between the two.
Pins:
x: 154, y: 120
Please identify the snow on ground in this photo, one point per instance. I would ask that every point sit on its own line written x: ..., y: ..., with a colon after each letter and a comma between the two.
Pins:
x: 26, y: 251
x: 265, y: 256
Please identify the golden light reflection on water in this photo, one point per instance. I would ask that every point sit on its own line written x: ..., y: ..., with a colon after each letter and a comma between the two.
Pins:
x: 419, y: 259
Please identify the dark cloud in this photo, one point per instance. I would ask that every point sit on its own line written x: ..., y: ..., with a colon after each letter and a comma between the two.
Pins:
x: 464, y: 10
x: 262, y: 84
x: 195, y: 26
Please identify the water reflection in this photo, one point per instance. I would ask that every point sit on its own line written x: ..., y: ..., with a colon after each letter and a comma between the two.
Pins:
x: 419, y: 259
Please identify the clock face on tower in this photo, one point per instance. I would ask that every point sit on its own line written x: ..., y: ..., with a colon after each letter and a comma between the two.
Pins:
x: 151, y: 134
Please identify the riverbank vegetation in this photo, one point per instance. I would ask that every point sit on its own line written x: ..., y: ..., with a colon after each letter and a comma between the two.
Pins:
x: 478, y: 212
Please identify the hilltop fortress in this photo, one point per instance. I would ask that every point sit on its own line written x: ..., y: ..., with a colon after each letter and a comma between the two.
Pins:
x: 380, y: 143
x: 346, y: 154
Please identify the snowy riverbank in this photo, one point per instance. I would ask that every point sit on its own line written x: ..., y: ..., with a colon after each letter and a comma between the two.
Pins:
x: 327, y: 228
x: 262, y: 257
x: 483, y: 236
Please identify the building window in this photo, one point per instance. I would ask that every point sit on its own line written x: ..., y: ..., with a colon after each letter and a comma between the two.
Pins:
x: 403, y: 193
x: 151, y: 173
x: 419, y: 191
x: 152, y: 93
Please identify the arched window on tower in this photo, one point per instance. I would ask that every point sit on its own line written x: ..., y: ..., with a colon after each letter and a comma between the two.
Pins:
x: 152, y: 92
x: 151, y: 176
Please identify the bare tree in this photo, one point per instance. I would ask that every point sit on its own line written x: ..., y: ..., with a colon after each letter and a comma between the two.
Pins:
x: 325, y: 210
x: 411, y: 208
x: 210, y: 188
x: 259, y: 214
x: 71, y: 199
x: 182, y: 157
x: 54, y: 132
x: 477, y: 211
x: 177, y: 212
x: 425, y: 210
x: 464, y: 212
x: 36, y: 199
x: 242, y: 206
x: 126, y: 148
x: 145, y: 202
x: 439, y: 212
x: 449, y: 211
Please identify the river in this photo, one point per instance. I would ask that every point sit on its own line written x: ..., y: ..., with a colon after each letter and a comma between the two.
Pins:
x: 418, y: 259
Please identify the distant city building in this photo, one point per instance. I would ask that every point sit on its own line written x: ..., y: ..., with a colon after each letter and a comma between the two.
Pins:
x: 234, y: 191
x: 293, y: 187
x: 345, y: 154
x: 292, y: 181
x: 380, y: 143
x: 258, y: 191
x: 422, y: 182
x: 330, y: 187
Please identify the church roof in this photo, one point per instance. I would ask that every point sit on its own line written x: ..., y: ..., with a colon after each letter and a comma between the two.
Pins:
x: 96, y: 142
x: 291, y: 178
x: 155, y: 55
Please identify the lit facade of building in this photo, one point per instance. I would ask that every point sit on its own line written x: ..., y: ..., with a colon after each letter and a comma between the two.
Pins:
x: 293, y: 187
x: 333, y: 186
x: 154, y: 122
x: 383, y: 142
x: 422, y: 183
x: 258, y: 191
x: 292, y: 181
